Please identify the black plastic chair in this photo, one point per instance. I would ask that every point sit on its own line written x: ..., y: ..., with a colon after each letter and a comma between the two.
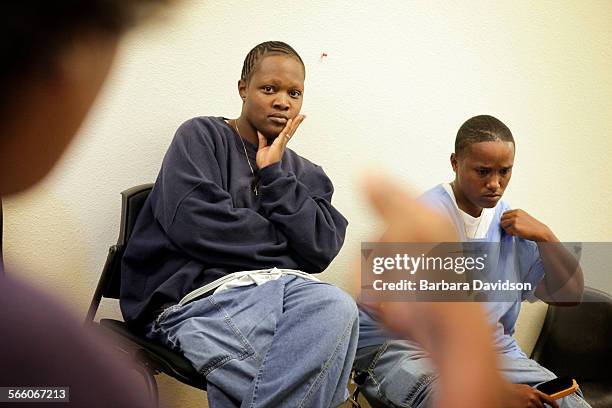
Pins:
x: 577, y: 341
x: 149, y: 358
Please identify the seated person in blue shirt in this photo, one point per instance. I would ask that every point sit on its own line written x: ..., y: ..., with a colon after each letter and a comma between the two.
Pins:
x: 399, y: 372
x: 219, y: 265
x: 455, y: 335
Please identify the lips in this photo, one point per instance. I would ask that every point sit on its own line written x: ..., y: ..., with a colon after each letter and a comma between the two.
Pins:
x: 278, y: 118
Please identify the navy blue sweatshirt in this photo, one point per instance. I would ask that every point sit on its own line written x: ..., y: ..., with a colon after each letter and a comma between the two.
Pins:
x: 202, y: 219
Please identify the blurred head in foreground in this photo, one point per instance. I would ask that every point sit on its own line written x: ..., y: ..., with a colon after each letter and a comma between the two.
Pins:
x: 56, y: 56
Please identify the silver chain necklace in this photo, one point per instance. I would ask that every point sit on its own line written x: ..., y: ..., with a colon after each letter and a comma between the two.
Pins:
x: 246, y: 155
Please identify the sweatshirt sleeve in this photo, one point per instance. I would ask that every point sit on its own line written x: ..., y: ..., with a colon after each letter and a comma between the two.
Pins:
x: 198, y: 215
x: 302, y: 210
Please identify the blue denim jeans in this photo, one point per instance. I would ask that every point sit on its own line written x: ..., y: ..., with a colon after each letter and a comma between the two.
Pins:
x: 287, y: 343
x: 400, y: 374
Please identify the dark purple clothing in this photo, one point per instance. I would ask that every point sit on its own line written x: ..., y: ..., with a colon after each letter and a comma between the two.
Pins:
x: 202, y: 220
x: 41, y: 345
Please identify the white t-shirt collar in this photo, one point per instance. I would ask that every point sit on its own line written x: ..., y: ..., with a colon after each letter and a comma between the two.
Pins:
x: 473, y: 227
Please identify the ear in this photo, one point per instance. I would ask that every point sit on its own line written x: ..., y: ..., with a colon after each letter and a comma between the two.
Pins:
x: 453, y: 160
x: 242, y: 89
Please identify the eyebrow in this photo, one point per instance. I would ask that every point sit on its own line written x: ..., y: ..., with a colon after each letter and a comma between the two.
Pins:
x: 276, y: 81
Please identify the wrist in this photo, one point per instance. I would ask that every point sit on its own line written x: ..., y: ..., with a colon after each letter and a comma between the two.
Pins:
x: 547, y: 235
x: 267, y: 164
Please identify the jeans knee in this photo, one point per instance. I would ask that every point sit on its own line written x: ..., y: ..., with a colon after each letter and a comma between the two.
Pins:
x: 339, y: 303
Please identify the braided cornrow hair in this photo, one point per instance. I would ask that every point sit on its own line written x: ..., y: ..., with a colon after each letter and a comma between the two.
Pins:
x: 482, y: 128
x: 263, y: 49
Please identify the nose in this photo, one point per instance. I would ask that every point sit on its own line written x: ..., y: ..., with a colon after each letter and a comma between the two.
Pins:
x: 493, y: 183
x: 281, y: 102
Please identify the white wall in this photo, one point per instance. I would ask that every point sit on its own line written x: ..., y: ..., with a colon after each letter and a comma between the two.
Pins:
x: 399, y: 79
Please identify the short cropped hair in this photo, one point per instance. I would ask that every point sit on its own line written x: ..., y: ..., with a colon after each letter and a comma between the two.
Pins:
x: 482, y: 128
x: 263, y: 49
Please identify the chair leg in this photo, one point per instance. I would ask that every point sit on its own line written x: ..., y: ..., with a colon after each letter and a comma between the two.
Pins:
x: 357, y: 381
x: 150, y: 382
